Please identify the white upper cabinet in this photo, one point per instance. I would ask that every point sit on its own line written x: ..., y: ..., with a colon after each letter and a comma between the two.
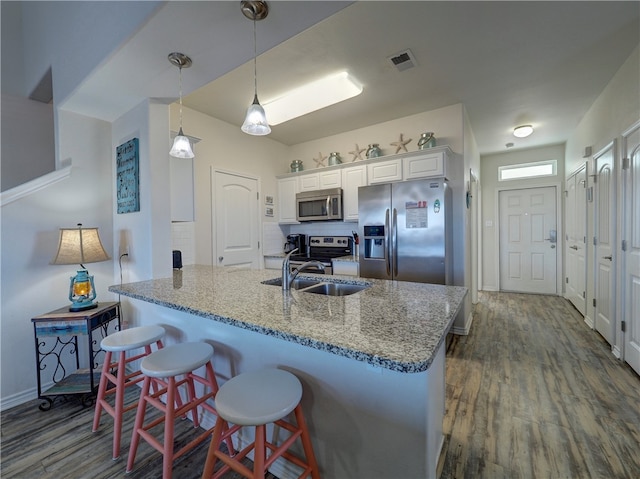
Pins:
x: 384, y: 171
x: 287, y: 189
x: 330, y: 179
x: 352, y: 178
x: 309, y: 182
x: 425, y: 165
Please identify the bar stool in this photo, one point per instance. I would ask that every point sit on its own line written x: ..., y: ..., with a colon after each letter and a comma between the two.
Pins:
x: 256, y: 399
x: 179, y: 360
x: 119, y: 344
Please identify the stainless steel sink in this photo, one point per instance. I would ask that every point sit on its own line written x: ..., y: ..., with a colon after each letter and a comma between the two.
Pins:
x: 335, y: 289
x: 297, y: 283
x: 327, y: 288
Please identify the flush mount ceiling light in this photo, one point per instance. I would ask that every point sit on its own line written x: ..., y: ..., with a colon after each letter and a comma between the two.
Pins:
x: 181, y: 145
x: 313, y: 96
x: 255, y: 123
x: 522, y: 131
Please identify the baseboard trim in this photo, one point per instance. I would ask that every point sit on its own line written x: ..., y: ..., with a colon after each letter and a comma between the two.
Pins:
x: 463, y: 331
x: 589, y: 322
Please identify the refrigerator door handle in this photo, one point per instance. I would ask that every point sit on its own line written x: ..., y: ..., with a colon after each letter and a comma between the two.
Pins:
x: 387, y: 243
x: 394, y: 245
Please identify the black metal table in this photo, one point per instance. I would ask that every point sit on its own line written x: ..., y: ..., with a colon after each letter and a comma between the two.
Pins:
x: 56, y: 335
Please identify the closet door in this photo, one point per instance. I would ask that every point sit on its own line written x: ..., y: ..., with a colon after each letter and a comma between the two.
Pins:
x: 630, y: 260
x: 575, y: 214
x: 605, y: 243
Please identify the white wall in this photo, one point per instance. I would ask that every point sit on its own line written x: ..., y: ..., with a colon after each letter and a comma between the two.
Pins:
x: 30, y: 230
x: 613, y: 112
x: 490, y: 189
x: 225, y: 147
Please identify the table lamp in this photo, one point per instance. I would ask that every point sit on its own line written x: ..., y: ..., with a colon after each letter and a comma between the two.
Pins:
x: 78, y: 246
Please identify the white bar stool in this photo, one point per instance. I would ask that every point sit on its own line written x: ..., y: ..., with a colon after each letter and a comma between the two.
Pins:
x: 119, y: 344
x: 256, y: 399
x: 170, y: 362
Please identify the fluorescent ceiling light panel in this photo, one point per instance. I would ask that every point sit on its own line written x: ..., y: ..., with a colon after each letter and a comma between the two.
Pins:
x: 313, y: 96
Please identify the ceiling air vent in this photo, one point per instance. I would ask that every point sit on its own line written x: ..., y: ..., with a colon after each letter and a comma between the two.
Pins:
x: 403, y: 60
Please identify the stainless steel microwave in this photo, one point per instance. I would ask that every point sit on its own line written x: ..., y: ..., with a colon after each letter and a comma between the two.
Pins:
x: 320, y: 205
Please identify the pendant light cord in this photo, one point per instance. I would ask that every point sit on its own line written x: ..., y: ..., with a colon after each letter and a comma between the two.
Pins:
x: 180, y: 68
x: 255, y: 54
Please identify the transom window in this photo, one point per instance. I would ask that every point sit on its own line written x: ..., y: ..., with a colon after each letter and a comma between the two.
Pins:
x: 527, y: 170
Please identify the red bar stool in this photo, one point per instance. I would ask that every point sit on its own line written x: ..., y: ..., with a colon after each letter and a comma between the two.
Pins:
x: 256, y: 399
x: 176, y: 365
x: 114, y: 372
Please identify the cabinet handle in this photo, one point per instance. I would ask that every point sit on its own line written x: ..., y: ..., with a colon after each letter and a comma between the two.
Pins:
x: 574, y: 247
x: 607, y: 257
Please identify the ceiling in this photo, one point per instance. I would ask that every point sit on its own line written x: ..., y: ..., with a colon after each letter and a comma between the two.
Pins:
x: 509, y: 63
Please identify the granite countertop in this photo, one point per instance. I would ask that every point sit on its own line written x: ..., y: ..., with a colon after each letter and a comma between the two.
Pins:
x: 393, y: 324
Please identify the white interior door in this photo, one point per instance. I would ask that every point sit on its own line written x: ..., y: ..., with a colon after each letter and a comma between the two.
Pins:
x: 605, y: 228
x: 631, y: 251
x: 575, y: 215
x: 528, y: 238
x: 235, y: 220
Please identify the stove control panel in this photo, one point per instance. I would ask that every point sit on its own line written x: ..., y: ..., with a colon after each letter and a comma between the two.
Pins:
x: 330, y: 241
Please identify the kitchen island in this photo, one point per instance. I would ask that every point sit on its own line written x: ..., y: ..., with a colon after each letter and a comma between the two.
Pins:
x: 371, y: 363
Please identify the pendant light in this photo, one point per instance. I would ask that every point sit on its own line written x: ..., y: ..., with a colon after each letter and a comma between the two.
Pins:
x: 255, y: 123
x: 181, y: 145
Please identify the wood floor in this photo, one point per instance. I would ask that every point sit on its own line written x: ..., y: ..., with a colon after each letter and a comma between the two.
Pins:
x: 532, y: 392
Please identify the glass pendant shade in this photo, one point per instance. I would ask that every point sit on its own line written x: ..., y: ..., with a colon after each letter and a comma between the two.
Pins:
x: 181, y: 146
x: 255, y: 123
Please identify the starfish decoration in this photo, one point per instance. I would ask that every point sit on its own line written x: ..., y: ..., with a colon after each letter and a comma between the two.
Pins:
x: 357, y: 153
x: 401, y: 144
x: 320, y: 160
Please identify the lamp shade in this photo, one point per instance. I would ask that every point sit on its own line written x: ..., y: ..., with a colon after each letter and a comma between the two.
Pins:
x: 255, y: 123
x: 78, y: 246
x: 181, y: 146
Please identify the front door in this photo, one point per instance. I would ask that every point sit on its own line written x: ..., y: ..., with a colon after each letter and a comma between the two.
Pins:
x: 528, y: 239
x: 235, y: 220
x: 631, y: 251
x: 605, y: 228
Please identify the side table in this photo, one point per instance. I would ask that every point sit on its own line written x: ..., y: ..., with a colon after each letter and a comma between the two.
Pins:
x: 56, y: 333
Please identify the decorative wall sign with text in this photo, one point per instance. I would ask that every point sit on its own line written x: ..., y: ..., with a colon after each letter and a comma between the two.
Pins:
x: 128, y: 177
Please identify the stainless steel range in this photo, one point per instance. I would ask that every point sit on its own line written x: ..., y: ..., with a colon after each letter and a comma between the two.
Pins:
x: 323, y: 249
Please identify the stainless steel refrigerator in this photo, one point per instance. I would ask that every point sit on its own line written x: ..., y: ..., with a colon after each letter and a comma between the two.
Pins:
x: 405, y: 231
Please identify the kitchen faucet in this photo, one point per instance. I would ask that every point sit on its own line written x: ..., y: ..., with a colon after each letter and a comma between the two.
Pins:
x: 288, y: 276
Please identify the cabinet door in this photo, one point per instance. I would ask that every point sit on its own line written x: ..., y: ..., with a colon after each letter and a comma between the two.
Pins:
x: 384, y: 171
x: 424, y: 166
x: 330, y: 179
x: 287, y: 189
x: 352, y: 178
x: 310, y: 182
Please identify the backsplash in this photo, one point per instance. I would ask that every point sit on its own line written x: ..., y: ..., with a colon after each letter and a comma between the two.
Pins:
x: 273, y: 238
x: 183, y: 238
x: 325, y: 228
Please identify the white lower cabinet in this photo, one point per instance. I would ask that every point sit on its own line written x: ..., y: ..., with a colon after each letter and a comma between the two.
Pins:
x: 352, y: 178
x: 271, y: 262
x: 346, y: 268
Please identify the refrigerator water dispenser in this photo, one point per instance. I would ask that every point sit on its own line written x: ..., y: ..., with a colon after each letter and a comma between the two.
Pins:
x: 374, y: 244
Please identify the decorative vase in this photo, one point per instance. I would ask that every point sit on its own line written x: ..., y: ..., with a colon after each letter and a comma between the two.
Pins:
x: 374, y: 151
x: 334, y: 158
x: 427, y: 140
x: 296, y: 165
